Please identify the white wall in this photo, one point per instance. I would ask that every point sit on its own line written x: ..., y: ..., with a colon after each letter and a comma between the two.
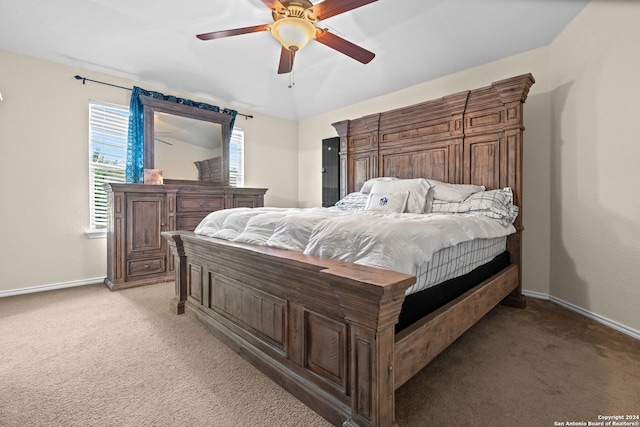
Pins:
x: 44, y: 177
x: 581, y: 208
x: 595, y: 155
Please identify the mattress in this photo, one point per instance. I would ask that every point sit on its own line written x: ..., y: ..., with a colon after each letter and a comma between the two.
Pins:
x: 456, y: 261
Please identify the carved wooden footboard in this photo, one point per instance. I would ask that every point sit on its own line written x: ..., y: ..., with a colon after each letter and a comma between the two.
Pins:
x: 322, y: 329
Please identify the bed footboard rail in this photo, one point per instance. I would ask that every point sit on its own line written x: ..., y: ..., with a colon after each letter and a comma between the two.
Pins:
x: 322, y: 329
x: 421, y: 342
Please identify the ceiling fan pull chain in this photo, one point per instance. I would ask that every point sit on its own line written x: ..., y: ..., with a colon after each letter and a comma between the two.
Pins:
x: 292, y: 80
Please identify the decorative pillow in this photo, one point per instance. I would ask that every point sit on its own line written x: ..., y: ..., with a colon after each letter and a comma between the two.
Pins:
x: 418, y: 189
x: 387, y: 202
x: 209, y: 170
x: 366, y: 187
x: 453, y: 192
x: 352, y: 202
x: 496, y: 204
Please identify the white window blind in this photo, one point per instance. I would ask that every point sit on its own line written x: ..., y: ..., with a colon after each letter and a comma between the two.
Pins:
x: 236, y: 158
x: 108, y: 128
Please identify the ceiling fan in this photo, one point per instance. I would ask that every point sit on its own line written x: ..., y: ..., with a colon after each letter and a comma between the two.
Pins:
x: 294, y: 26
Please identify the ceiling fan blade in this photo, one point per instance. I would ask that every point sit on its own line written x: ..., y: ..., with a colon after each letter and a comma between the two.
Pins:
x: 286, y: 61
x: 234, y: 32
x: 275, y: 5
x: 344, y: 46
x: 329, y: 8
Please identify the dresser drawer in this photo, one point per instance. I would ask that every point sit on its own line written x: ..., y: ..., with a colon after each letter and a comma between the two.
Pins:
x: 140, y: 267
x: 200, y: 204
x: 189, y: 222
x: 245, y: 202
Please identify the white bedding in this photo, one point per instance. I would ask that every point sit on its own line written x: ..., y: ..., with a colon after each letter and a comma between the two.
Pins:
x: 400, y: 242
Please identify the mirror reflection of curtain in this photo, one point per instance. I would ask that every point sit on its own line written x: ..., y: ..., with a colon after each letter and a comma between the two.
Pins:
x: 135, y: 142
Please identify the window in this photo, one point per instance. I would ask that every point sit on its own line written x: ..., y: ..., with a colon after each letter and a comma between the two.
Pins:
x: 236, y: 158
x: 108, y: 128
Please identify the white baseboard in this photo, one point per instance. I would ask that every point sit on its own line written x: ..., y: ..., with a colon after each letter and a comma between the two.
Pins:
x: 51, y: 287
x: 600, y: 319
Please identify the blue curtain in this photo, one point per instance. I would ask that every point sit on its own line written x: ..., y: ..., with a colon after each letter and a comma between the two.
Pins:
x: 233, y: 114
x: 135, y: 139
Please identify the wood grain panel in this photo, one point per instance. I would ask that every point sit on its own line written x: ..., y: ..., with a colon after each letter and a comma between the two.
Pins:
x: 362, y: 142
x: 245, y: 202
x: 265, y: 314
x: 482, y: 161
x: 364, y: 377
x: 440, y: 127
x: 118, y: 243
x: 254, y: 310
x: 326, y: 349
x: 188, y: 222
x: 199, y: 204
x: 343, y: 176
x: 194, y: 280
x: 484, y: 121
x: 360, y: 171
x: 141, y: 267
x: 144, y: 223
x: 432, y: 163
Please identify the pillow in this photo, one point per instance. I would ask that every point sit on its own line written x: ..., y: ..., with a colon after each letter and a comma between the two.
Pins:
x: 418, y: 189
x: 366, y: 187
x: 209, y: 170
x: 352, y: 202
x: 453, y: 192
x: 496, y: 204
x: 387, y: 202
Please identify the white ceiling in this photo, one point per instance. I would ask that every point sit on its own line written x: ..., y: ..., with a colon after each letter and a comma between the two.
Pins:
x: 154, y: 42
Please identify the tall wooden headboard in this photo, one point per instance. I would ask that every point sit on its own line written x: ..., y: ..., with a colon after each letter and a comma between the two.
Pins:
x: 470, y: 137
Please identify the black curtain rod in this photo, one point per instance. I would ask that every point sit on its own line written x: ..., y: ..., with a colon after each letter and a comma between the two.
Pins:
x: 84, y: 80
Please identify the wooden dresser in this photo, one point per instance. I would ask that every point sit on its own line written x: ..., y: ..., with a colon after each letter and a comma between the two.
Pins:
x: 137, y: 254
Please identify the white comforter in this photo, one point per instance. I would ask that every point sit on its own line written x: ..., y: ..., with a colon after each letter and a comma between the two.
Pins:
x: 399, y: 242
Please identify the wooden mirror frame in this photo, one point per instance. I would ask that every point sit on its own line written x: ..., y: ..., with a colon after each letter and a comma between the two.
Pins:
x: 152, y: 105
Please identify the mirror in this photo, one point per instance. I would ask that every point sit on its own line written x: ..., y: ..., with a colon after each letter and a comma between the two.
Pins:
x: 177, y: 135
x: 180, y: 141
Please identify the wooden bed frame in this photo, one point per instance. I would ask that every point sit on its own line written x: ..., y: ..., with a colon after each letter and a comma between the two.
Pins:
x: 324, y: 329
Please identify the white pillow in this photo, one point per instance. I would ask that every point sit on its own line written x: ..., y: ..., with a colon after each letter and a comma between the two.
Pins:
x: 387, y: 202
x: 418, y: 189
x: 366, y: 187
x: 453, y: 192
x: 352, y: 202
x: 496, y: 204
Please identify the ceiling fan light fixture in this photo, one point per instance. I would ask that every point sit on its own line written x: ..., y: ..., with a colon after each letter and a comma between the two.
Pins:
x: 293, y: 33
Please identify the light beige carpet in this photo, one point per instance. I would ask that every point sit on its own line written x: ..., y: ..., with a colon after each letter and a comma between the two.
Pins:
x: 90, y: 357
